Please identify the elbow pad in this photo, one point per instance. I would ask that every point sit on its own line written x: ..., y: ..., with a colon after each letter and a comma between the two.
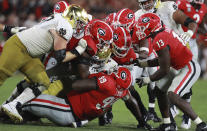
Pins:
x: 60, y: 55
x: 188, y: 21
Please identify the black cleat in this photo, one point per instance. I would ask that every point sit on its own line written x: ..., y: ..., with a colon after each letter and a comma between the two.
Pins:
x: 153, y: 116
x: 166, y: 127
x: 144, y: 126
x: 201, y: 127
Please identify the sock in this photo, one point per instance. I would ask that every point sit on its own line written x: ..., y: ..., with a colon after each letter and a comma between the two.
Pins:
x: 151, y: 107
x: 197, y: 121
x: 26, y: 96
x: 166, y: 120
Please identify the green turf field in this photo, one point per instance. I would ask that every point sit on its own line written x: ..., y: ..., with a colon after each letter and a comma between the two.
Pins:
x: 123, y: 120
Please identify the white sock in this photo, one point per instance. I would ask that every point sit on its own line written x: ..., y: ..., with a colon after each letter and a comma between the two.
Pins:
x: 25, y: 96
x: 151, y: 105
x: 166, y: 120
x: 197, y: 121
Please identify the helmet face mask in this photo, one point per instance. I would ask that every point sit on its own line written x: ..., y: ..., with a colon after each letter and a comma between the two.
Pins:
x: 197, y: 1
x: 76, y: 16
x: 147, y: 6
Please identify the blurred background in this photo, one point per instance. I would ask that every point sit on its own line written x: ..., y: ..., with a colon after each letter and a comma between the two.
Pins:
x: 29, y: 12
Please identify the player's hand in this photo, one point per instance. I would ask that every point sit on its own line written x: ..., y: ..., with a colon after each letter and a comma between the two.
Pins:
x: 142, y: 81
x: 140, y: 64
x: 14, y: 30
x: 187, y: 35
x: 136, y: 63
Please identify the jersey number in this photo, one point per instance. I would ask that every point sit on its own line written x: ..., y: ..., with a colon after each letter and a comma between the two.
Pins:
x: 102, y: 79
x: 160, y: 43
x: 196, y: 17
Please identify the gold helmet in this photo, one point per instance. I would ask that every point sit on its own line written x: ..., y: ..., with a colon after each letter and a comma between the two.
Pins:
x: 76, y: 16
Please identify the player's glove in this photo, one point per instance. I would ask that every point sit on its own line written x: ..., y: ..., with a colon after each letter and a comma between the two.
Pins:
x: 187, y: 35
x: 142, y: 81
x: 12, y: 29
x: 140, y: 64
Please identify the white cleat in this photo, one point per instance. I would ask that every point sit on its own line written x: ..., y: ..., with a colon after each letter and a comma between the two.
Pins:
x: 79, y: 124
x: 186, y: 122
x: 11, y: 110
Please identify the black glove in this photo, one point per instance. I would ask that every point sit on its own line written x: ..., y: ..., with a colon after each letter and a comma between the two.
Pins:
x: 12, y: 30
x: 142, y: 81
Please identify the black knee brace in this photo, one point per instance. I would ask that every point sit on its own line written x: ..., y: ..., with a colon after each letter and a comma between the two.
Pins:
x: 35, y: 89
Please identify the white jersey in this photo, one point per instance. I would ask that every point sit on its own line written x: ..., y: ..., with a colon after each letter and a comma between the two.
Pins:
x: 38, y: 40
x: 165, y: 11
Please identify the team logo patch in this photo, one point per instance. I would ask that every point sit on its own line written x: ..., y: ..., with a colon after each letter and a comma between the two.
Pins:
x: 146, y: 19
x: 101, y: 32
x: 115, y: 37
x: 62, y: 31
x: 130, y: 15
x: 57, y: 6
x: 123, y: 75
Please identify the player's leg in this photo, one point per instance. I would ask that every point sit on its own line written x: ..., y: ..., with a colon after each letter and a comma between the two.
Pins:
x: 14, y: 55
x: 37, y: 76
x: 181, y: 85
x: 55, y: 109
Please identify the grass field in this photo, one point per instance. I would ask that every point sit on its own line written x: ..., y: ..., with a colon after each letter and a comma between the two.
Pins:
x: 123, y: 120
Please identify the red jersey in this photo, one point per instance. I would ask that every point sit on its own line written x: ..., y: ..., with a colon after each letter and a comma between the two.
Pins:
x: 128, y: 59
x: 195, y: 14
x: 180, y: 55
x: 91, y: 104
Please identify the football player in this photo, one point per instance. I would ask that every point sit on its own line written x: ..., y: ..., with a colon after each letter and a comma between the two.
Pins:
x: 126, y: 18
x: 171, y: 16
x: 26, y: 47
x: 172, y: 53
x: 80, y: 103
x: 196, y: 10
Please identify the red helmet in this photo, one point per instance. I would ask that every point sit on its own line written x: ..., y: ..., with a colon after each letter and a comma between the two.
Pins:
x: 102, y: 35
x: 60, y: 7
x: 121, y: 42
x: 125, y: 18
x: 110, y: 18
x: 147, y: 24
x: 123, y: 78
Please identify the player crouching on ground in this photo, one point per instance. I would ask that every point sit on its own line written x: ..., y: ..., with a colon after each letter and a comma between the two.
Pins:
x: 172, y: 52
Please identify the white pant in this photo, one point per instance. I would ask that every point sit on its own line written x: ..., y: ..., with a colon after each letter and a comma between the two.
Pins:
x: 194, y: 48
x: 180, y: 82
x: 51, y: 107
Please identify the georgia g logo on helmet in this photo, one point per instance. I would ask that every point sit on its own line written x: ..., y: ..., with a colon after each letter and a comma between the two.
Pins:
x: 115, y: 37
x: 123, y: 75
x: 130, y: 15
x: 101, y: 32
x: 146, y: 19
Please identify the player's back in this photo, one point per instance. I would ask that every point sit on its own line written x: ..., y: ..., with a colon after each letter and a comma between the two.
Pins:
x: 180, y: 55
x: 93, y: 103
x: 38, y: 40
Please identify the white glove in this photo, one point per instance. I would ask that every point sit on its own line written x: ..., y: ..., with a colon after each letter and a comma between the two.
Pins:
x: 187, y: 35
x: 17, y: 29
x: 142, y: 81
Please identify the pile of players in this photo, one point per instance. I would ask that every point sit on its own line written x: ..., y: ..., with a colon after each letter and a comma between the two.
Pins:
x: 91, y: 63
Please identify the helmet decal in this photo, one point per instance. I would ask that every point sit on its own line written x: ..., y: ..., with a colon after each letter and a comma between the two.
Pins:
x: 116, y: 37
x: 146, y: 19
x: 123, y: 75
x: 130, y: 15
x: 101, y: 32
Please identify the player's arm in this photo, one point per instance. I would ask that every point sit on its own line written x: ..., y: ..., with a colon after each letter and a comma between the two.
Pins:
x: 85, y: 85
x: 183, y: 19
x: 201, y: 28
x: 164, y: 62
x: 143, y: 49
x: 11, y: 29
